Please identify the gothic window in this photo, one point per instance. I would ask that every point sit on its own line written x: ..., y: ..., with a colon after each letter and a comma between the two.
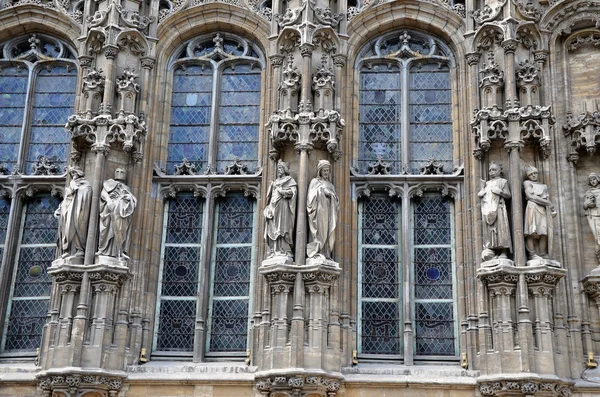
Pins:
x: 215, y: 106
x: 208, y: 236
x: 228, y: 265
x: 30, y: 290
x: 38, y: 75
x: 406, y: 292
x: 405, y: 118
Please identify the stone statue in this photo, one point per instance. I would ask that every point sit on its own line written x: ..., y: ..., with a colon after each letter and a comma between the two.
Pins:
x: 280, y: 212
x: 73, y: 215
x: 322, y: 205
x: 117, y: 205
x: 496, y: 239
x: 538, y: 216
x: 592, y: 210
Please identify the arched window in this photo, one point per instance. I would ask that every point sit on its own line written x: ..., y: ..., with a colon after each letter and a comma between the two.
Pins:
x: 405, y: 107
x: 215, y: 106
x: 207, y: 255
x: 38, y: 77
x: 406, y: 254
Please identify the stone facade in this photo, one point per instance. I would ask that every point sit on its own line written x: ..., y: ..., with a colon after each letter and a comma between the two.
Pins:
x: 522, y: 90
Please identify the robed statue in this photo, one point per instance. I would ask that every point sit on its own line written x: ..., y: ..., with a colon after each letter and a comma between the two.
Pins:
x: 591, y: 205
x: 496, y: 230
x: 73, y: 215
x: 117, y: 205
x: 538, y: 216
x: 280, y: 213
x: 322, y: 208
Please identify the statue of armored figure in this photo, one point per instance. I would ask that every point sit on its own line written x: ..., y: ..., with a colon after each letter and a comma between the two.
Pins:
x: 538, y: 217
x: 591, y: 205
x: 73, y: 216
x: 117, y: 205
x: 496, y: 239
x: 322, y: 207
x: 280, y: 213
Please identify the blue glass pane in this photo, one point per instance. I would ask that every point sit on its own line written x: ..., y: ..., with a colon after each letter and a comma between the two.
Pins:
x: 239, y: 115
x: 381, y: 328
x: 190, y: 117
x: 52, y: 105
x: 433, y: 273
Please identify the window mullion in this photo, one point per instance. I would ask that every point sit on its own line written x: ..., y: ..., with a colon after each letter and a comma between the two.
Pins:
x: 214, y: 117
x: 27, y: 115
x: 406, y: 273
x: 404, y: 127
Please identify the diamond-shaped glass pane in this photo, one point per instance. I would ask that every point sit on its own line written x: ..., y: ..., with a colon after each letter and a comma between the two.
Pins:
x: 40, y: 224
x: 432, y: 221
x: 235, y: 220
x: 232, y: 271
x: 229, y: 325
x: 380, y: 276
x: 180, y: 271
x: 32, y: 278
x: 433, y: 273
x: 25, y: 324
x: 4, y: 212
x: 381, y: 328
x: 380, y: 222
x: 184, y: 223
x: 434, y: 323
x: 176, y: 325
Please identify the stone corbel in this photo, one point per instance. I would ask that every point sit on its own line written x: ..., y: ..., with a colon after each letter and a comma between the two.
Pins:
x: 6, y: 192
x: 535, y: 124
x: 133, y: 19
x: 489, y: 124
x: 136, y: 43
x: 584, y: 132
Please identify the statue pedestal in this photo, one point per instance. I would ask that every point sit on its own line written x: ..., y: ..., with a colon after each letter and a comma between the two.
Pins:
x: 278, y: 260
x: 498, y: 262
x: 69, y: 260
x: 110, y: 261
x: 543, y: 262
x: 323, y: 263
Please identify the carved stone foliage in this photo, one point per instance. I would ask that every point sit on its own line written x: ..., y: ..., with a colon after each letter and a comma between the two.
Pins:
x: 526, y: 387
x: 70, y: 382
x: 73, y: 9
x: 304, y: 382
x: 583, y: 131
x: 457, y: 8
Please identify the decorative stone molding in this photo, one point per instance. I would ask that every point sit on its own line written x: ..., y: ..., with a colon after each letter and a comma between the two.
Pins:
x: 305, y: 382
x: 45, y: 166
x: 549, y: 387
x: 584, y: 133
x: 78, y: 381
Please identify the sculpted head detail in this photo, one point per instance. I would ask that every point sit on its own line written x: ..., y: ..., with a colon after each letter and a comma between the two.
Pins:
x: 593, y: 179
x: 324, y: 169
x: 76, y: 172
x: 532, y: 173
x: 495, y: 170
x: 120, y: 174
x: 283, y: 169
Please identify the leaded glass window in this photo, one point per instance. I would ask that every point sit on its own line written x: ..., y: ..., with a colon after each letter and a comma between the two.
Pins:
x: 230, y: 274
x: 386, y: 279
x: 30, y: 291
x: 405, y: 119
x: 215, y: 106
x: 435, y: 325
x: 38, y: 75
x: 180, y: 270
x: 4, y: 214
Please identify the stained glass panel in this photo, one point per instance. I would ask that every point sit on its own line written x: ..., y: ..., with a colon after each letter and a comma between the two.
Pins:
x: 432, y: 221
x: 176, y: 325
x: 430, y: 116
x: 434, y: 328
x: 53, y: 103
x: 380, y: 221
x: 239, y: 113
x: 13, y: 95
x: 180, y: 274
x: 231, y: 274
x: 31, y: 291
x: 380, y: 117
x: 190, y: 117
x: 381, y: 328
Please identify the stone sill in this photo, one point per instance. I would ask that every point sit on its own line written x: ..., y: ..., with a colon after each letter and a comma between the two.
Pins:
x: 433, y: 376
x: 173, y: 371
